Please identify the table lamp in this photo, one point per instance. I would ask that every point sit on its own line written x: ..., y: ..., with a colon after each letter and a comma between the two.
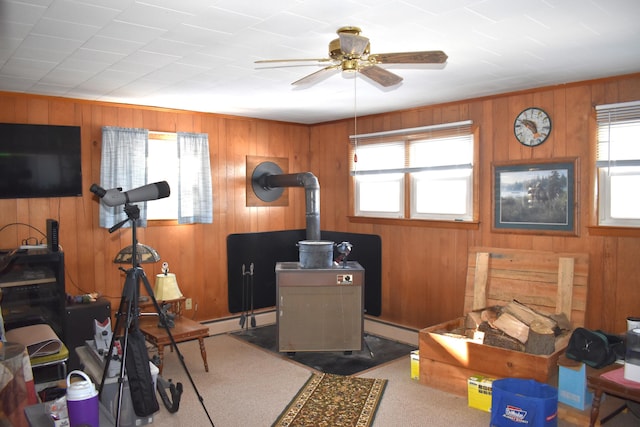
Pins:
x: 166, y: 285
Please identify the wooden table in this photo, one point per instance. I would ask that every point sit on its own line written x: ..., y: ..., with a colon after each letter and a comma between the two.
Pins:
x: 602, y: 385
x: 184, y: 330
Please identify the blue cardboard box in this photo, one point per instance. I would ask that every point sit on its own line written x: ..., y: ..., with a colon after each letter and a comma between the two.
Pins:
x: 572, y: 386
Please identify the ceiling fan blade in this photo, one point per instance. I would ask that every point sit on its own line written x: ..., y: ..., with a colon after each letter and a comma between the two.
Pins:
x: 353, y: 44
x: 279, y: 66
x: 380, y: 75
x: 317, y: 76
x: 271, y: 61
x: 425, y: 57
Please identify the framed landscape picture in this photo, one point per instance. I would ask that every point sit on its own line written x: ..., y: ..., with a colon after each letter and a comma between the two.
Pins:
x: 536, y: 197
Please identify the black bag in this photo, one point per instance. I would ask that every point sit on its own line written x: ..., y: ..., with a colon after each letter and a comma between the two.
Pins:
x: 595, y: 348
x: 143, y: 394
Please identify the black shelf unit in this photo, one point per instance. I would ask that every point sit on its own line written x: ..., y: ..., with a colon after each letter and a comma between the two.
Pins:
x: 33, y: 290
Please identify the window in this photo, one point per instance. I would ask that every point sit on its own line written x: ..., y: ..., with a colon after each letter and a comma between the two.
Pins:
x: 379, y: 191
x: 162, y: 165
x: 618, y: 164
x: 418, y: 173
x: 124, y: 164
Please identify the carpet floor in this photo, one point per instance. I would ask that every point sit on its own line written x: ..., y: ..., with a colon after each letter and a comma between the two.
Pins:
x: 382, y: 350
x: 249, y: 386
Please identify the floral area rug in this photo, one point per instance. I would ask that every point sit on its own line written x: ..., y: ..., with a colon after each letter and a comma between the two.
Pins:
x: 328, y: 400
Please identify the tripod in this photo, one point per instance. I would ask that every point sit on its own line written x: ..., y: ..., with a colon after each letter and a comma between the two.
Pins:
x: 128, y: 313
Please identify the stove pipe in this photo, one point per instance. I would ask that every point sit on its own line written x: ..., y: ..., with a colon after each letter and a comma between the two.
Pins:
x: 312, y: 195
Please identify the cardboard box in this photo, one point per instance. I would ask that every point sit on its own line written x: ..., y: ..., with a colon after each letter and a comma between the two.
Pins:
x: 415, y: 365
x: 479, y: 390
x: 572, y: 386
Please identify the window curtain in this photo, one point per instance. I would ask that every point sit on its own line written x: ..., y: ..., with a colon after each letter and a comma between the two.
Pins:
x: 123, y: 165
x: 195, y: 194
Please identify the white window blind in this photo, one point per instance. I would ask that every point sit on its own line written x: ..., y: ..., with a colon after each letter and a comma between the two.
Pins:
x: 618, y: 164
x: 618, y: 137
x: 427, y: 157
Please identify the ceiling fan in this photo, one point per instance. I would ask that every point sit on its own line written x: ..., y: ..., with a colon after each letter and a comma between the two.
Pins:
x: 351, y: 52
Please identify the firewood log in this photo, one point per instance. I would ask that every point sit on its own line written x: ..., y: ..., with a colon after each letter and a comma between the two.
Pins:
x: 542, y: 339
x: 490, y: 314
x: 527, y: 315
x: 564, y: 324
x: 472, y: 320
x: 512, y: 326
x: 497, y: 338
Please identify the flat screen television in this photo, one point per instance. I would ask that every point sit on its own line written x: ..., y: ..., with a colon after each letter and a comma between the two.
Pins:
x: 39, y: 161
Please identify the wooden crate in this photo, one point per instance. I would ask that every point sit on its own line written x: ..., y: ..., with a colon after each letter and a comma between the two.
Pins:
x: 545, y: 281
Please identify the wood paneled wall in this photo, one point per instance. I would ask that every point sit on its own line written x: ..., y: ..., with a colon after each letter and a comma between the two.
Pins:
x: 196, y: 253
x: 424, y: 268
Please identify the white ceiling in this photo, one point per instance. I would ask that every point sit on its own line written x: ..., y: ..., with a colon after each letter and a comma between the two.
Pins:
x: 199, y: 54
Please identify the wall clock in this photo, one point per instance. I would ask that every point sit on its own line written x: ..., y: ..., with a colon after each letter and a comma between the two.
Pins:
x: 532, y: 127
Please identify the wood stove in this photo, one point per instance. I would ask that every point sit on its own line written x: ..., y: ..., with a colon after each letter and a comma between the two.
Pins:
x: 319, y: 309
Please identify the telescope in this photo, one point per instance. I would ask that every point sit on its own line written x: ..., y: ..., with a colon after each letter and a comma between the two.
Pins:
x: 116, y: 197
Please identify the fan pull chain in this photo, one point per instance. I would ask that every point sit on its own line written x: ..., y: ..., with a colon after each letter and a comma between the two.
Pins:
x: 355, y: 120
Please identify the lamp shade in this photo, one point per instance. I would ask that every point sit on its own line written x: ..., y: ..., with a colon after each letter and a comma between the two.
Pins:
x: 167, y: 287
x: 146, y: 254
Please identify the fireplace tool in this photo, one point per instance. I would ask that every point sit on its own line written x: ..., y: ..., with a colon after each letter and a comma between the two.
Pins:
x: 243, y: 315
x: 253, y: 316
x: 248, y: 316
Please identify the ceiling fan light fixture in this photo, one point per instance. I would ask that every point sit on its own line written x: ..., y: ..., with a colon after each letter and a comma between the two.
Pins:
x: 335, y: 52
x: 350, y: 65
x: 353, y: 46
x: 349, y: 29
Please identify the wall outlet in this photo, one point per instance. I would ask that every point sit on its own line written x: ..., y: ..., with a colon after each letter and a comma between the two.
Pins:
x: 188, y: 304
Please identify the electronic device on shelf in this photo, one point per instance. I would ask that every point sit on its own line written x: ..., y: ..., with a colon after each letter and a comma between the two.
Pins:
x: 33, y: 290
